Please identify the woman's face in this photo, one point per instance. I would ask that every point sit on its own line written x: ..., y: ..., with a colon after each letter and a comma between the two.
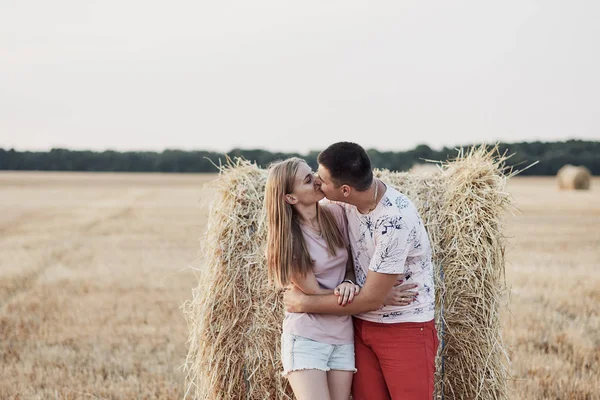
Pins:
x: 305, y: 191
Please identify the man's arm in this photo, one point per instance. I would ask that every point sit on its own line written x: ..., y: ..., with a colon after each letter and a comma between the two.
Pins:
x: 394, y: 239
x: 372, y: 296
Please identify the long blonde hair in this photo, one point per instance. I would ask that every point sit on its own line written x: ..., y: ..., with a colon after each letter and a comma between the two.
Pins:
x: 287, y: 253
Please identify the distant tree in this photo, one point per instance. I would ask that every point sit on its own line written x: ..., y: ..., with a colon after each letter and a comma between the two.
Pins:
x: 550, y: 157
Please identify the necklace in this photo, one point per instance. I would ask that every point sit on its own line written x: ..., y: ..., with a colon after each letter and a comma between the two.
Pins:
x: 317, y: 231
x: 375, y: 197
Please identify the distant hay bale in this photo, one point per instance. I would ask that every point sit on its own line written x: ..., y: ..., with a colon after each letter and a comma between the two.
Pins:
x: 425, y: 168
x: 235, y: 317
x: 574, y: 178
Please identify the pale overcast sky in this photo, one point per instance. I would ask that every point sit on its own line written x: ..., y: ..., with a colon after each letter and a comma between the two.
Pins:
x: 296, y: 75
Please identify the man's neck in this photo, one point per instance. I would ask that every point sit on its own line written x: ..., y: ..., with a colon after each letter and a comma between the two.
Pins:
x: 367, y: 201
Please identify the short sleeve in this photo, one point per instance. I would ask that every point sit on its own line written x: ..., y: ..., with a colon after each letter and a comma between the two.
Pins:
x: 394, y: 237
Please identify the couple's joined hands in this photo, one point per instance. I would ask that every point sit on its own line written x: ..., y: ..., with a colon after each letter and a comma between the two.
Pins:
x: 346, y: 292
x: 401, y: 294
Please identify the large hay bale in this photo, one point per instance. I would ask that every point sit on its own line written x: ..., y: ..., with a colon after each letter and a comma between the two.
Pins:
x: 571, y: 177
x: 462, y: 207
x: 235, y: 316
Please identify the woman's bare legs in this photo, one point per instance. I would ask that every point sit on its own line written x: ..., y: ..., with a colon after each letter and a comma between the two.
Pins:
x: 310, y: 384
x: 340, y: 383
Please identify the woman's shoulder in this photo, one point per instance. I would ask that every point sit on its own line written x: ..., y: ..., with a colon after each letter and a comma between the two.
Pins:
x: 338, y: 213
x: 334, y: 207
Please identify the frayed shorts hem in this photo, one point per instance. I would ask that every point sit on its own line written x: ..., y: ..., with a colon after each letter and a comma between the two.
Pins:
x: 299, y: 354
x: 286, y: 373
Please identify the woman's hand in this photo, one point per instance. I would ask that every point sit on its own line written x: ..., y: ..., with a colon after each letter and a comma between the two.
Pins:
x: 346, y: 292
x: 401, y: 295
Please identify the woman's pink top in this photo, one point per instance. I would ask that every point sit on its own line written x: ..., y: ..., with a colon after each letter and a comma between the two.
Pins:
x: 330, y: 272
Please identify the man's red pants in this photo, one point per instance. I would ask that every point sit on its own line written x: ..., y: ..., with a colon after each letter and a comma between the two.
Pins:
x: 394, y: 361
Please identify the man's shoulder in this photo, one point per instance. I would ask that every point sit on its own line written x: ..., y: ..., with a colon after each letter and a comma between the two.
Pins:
x: 396, y: 202
x: 393, y: 193
x: 397, y: 206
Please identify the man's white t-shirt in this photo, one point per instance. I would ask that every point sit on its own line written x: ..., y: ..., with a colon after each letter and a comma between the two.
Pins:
x: 391, y: 239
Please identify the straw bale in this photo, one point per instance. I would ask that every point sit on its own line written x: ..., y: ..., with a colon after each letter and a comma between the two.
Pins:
x: 235, y: 316
x: 571, y: 177
x: 462, y: 207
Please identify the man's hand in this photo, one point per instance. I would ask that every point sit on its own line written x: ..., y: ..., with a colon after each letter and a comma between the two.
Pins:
x: 401, y: 295
x: 346, y: 292
x: 292, y: 298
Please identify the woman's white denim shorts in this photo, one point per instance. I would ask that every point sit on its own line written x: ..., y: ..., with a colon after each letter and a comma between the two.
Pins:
x: 299, y: 353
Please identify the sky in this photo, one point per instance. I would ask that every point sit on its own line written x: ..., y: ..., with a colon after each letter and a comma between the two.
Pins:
x: 296, y: 75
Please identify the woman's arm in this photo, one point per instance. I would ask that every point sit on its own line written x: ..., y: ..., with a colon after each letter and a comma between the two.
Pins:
x: 347, y: 291
x: 309, y: 284
x: 371, y: 297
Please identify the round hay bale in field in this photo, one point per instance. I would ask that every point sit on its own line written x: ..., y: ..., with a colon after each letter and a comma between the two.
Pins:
x: 235, y: 316
x: 572, y: 177
x: 425, y: 168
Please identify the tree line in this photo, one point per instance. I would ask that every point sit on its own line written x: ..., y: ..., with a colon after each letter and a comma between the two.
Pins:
x: 550, y: 156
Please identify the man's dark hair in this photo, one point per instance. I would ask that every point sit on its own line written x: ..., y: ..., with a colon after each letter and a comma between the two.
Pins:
x: 349, y: 164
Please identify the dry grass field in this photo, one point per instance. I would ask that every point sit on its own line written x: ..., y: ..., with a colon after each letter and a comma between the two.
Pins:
x: 553, y: 270
x: 94, y: 268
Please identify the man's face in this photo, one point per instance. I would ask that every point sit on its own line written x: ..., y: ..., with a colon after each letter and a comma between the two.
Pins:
x: 327, y: 186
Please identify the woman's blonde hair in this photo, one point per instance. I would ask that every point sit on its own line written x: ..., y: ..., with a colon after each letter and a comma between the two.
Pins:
x: 287, y: 253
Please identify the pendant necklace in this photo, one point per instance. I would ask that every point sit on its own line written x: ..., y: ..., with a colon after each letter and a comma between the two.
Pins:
x: 375, y: 197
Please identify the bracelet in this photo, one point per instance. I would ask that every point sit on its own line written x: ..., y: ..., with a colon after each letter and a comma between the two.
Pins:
x: 349, y: 281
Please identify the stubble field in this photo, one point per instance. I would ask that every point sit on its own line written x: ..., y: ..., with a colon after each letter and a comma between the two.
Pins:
x: 94, y: 269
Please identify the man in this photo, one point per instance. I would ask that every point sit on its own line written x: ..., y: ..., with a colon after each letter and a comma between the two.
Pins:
x: 395, y: 345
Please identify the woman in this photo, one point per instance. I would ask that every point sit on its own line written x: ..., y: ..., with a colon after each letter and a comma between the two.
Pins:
x: 307, y: 245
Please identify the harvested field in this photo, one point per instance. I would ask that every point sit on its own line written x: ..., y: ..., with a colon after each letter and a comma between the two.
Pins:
x: 94, y: 269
